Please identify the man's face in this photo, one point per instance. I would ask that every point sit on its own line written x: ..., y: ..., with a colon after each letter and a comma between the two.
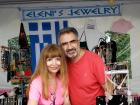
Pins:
x: 70, y: 45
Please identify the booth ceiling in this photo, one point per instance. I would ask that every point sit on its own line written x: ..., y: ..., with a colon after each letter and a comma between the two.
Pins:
x: 7, y: 2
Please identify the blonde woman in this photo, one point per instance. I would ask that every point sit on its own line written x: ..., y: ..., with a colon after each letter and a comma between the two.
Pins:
x: 48, y: 85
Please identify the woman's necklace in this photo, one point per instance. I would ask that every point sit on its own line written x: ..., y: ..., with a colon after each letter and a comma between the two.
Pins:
x: 52, y: 90
x: 53, y: 97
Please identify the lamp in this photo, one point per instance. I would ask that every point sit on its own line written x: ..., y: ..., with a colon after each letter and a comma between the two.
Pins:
x: 112, y: 2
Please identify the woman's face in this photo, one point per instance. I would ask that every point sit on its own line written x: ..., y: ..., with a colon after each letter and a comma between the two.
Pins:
x: 53, y: 64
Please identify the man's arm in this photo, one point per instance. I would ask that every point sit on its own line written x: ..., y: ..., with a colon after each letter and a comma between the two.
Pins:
x: 108, y: 87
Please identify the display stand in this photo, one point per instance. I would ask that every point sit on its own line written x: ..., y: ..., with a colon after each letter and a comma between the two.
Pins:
x: 118, y: 75
x: 22, y: 86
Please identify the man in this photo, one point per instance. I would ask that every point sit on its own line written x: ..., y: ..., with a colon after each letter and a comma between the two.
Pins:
x: 85, y: 70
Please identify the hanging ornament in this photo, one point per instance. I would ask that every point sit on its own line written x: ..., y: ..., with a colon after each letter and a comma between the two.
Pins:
x: 23, y: 42
x: 112, y: 2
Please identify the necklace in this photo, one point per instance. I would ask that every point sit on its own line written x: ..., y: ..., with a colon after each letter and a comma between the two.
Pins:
x: 52, y: 97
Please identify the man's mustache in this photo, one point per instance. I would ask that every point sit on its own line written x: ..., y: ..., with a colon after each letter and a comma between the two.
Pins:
x: 70, y: 49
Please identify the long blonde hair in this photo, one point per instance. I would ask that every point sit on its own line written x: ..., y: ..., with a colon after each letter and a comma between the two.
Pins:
x: 41, y: 70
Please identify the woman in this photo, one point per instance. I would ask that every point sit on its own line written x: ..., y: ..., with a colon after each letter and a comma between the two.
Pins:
x: 48, y: 84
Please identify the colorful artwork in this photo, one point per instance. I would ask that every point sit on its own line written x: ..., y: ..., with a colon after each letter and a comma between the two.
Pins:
x: 19, y: 58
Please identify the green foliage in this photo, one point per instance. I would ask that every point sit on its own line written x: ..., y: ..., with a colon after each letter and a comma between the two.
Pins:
x: 123, y: 47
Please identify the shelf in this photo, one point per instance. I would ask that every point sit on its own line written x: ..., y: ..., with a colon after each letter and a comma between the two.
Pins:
x: 122, y: 71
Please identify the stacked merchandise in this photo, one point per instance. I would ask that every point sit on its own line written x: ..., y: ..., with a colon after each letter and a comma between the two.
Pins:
x: 136, y: 100
x: 7, y: 91
x: 118, y: 75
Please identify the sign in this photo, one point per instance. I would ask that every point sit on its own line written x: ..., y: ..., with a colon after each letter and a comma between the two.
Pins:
x: 70, y: 12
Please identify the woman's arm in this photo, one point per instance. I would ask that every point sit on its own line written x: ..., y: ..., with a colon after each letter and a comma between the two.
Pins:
x: 66, y: 99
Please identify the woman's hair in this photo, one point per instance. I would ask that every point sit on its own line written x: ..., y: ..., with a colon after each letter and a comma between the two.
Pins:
x: 41, y: 70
